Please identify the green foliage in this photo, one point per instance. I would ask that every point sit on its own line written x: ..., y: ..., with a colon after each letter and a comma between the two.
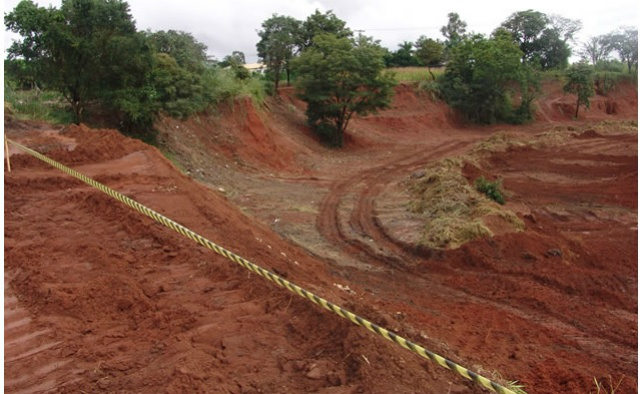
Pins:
x: 319, y: 23
x: 33, y: 104
x: 625, y: 42
x: 402, y: 57
x: 339, y: 77
x: 91, y: 54
x: 543, y: 40
x: 430, y: 53
x: 485, y: 78
x: 277, y: 46
x: 88, y: 50
x: 186, y: 51
x: 493, y: 190
x: 579, y: 81
x: 454, y: 31
x: 223, y: 86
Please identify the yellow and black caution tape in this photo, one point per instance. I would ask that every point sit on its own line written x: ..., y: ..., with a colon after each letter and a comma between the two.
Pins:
x: 415, y: 348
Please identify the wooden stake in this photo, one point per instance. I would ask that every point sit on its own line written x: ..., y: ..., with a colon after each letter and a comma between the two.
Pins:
x: 6, y: 148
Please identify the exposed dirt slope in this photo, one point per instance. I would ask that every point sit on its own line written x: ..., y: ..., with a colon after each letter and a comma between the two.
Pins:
x: 100, y: 299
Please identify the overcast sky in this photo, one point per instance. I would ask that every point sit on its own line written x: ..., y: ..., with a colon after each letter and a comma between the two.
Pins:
x: 229, y: 25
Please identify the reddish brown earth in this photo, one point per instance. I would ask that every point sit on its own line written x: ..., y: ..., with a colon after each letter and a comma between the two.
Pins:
x: 99, y: 298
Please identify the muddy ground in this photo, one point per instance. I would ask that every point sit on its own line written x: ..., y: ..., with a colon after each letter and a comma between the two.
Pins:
x: 99, y: 298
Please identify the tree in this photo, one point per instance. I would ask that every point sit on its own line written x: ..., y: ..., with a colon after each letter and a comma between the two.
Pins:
x: 596, y: 49
x: 579, y: 81
x: 319, y: 23
x: 486, y: 80
x: 278, y: 44
x: 188, y: 52
x: 88, y: 50
x: 526, y: 27
x: 625, y: 42
x: 339, y: 77
x: 454, y: 31
x: 565, y: 27
x: 430, y: 52
x: 544, y: 40
x: 402, y: 57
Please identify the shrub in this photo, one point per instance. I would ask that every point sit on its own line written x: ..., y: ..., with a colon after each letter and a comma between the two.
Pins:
x: 493, y: 190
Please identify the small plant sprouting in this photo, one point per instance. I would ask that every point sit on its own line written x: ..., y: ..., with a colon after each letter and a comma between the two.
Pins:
x: 493, y: 190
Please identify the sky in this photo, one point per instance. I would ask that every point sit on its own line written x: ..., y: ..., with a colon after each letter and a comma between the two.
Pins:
x: 225, y: 26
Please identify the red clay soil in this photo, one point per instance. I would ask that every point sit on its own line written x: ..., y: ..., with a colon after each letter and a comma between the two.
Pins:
x: 99, y: 298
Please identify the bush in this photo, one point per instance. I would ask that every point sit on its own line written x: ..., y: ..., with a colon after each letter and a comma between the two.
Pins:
x: 493, y: 190
x: 482, y: 78
x: 34, y: 104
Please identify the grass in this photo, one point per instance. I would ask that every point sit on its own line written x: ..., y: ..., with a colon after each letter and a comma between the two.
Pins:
x: 601, y: 386
x: 493, y: 190
x: 44, y: 106
x: 415, y: 74
x: 454, y: 212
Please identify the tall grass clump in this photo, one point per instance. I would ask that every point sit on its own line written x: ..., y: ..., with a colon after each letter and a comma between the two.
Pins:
x: 224, y: 86
x: 415, y: 74
x: 35, y: 104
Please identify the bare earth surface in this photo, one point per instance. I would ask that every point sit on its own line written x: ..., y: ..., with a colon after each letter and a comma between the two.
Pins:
x: 100, y: 299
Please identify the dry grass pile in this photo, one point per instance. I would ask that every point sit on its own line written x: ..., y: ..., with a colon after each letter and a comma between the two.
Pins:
x: 454, y: 212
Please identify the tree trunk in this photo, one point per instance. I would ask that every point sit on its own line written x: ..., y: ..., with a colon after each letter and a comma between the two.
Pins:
x: 433, y: 77
x: 577, y: 108
x: 288, y: 77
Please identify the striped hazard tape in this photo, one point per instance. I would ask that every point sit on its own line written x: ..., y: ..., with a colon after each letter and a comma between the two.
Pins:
x: 383, y: 332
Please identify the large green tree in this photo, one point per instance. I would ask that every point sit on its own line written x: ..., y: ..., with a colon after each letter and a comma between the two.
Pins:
x: 177, y: 77
x: 454, y: 31
x: 486, y: 80
x: 278, y: 44
x: 579, y: 81
x: 319, y: 23
x: 188, y: 52
x: 88, y: 50
x: 544, y: 40
x: 340, y: 77
x: 430, y: 53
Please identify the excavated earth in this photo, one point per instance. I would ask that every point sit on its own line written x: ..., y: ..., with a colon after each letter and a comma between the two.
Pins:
x: 101, y: 299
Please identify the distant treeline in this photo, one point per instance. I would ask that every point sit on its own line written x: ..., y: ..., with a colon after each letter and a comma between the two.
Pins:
x: 90, y: 52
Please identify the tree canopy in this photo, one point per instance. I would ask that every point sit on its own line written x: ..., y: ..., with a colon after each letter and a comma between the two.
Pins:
x: 340, y: 77
x: 543, y: 40
x: 319, y: 23
x: 455, y: 29
x: 77, y: 50
x: 485, y: 75
x: 579, y: 81
x: 279, y: 38
x: 402, y: 57
x: 430, y: 53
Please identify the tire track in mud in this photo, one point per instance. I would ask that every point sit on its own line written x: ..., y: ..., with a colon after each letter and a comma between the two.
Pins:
x: 348, y: 218
x: 362, y: 230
